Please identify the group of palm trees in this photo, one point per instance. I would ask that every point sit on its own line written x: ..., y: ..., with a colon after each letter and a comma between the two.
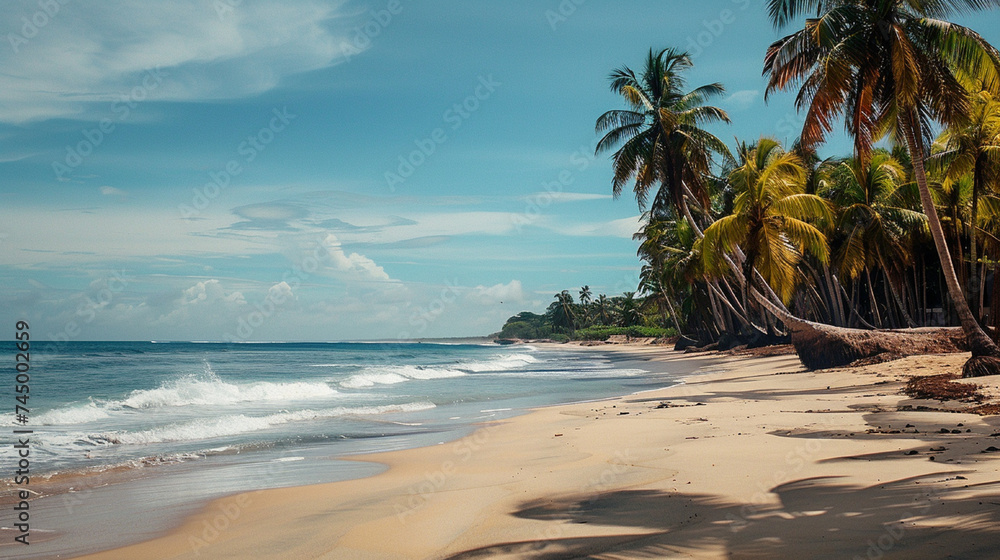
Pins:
x: 769, y: 239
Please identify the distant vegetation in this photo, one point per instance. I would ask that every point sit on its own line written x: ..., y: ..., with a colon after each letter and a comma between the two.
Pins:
x: 592, y: 318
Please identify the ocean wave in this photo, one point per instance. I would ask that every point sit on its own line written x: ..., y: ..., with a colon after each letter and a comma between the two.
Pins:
x: 202, y: 390
x: 236, y: 424
x: 73, y: 414
x: 391, y: 375
x: 210, y: 390
x: 499, y: 362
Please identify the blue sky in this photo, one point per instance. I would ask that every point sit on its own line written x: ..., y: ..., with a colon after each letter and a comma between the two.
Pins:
x: 331, y: 170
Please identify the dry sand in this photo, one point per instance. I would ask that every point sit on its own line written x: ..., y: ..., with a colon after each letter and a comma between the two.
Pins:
x: 759, y: 460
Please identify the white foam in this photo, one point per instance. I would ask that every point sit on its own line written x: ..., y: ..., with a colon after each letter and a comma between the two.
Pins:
x: 231, y: 425
x: 391, y: 375
x: 363, y: 380
x: 74, y: 414
x: 203, y: 390
x: 499, y: 362
x: 210, y: 390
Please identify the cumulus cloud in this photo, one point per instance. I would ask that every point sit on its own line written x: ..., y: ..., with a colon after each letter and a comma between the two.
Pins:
x: 280, y: 292
x: 210, y: 291
x: 98, y: 51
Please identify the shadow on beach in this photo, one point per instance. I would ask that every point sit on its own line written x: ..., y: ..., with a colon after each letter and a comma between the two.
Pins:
x: 814, y: 518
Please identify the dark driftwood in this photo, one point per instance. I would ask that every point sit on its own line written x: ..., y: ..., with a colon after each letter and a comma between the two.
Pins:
x: 823, y: 346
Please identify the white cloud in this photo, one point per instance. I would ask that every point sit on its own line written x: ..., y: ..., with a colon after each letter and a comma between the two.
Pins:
x: 742, y: 100
x: 354, y: 266
x: 500, y: 293
x: 210, y: 291
x: 280, y: 292
x: 97, y: 52
x: 624, y: 227
x: 111, y: 191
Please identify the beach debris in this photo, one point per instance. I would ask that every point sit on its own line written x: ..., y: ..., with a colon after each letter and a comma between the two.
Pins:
x: 990, y: 449
x: 942, y: 388
x: 622, y: 413
x: 911, y: 452
x: 668, y: 404
x: 558, y: 435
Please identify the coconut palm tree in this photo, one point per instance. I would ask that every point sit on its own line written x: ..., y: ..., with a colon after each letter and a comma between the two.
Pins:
x: 662, y: 148
x: 630, y: 313
x: 972, y: 149
x: 563, y: 311
x: 889, y: 67
x: 770, y: 219
x: 872, y: 222
x: 604, y: 311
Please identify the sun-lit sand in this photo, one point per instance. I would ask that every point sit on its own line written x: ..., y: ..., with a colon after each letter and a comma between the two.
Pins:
x: 755, y: 459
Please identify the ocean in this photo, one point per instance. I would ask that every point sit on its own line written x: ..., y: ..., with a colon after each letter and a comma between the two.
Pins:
x: 122, y: 425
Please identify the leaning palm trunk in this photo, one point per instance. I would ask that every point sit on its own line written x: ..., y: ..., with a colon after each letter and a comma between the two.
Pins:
x: 985, y: 354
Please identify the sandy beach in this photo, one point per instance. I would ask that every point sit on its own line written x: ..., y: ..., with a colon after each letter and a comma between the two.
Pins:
x: 757, y: 458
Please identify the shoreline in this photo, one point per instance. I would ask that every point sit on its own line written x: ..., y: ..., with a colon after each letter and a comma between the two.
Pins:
x: 759, y: 459
x: 61, y: 491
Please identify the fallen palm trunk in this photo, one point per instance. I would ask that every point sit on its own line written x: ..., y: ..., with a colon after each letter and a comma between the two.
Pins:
x: 823, y: 346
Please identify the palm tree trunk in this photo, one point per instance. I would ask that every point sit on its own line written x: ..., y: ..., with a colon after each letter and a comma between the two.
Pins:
x: 673, y: 313
x: 982, y: 293
x: 877, y: 317
x: 978, y: 341
x: 725, y: 300
x: 838, y: 304
x: 973, y: 257
x: 995, y: 298
x: 899, y: 302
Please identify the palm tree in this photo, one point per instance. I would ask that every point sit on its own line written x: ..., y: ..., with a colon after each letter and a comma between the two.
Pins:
x: 604, y: 310
x: 630, y: 314
x: 873, y: 222
x: 662, y: 142
x: 770, y: 219
x: 651, y: 283
x: 563, y: 312
x: 973, y: 149
x: 890, y: 67
x: 585, y: 296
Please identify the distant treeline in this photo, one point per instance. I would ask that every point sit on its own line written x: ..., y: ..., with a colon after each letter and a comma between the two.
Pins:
x: 591, y: 319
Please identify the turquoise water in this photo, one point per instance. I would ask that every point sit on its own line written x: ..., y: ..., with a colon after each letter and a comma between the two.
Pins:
x: 97, y: 404
x: 177, y: 423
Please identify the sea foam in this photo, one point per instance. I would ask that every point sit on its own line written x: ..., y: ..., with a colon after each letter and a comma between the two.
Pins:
x: 236, y: 424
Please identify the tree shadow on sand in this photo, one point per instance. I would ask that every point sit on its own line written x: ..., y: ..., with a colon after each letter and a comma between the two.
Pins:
x: 815, y: 518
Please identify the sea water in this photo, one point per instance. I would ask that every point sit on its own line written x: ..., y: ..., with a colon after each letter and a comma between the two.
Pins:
x: 180, y: 422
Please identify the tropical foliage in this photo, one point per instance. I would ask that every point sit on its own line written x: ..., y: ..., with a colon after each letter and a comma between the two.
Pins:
x: 590, y: 319
x: 742, y: 242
